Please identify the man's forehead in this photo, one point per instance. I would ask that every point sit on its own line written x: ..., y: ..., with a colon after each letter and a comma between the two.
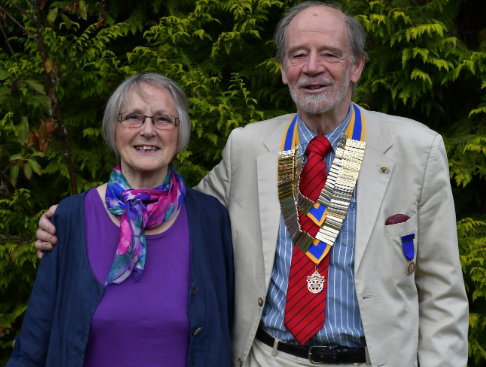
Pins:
x: 319, y: 12
x: 311, y: 22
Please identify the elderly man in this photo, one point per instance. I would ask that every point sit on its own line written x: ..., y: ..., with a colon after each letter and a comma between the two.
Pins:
x: 343, y: 219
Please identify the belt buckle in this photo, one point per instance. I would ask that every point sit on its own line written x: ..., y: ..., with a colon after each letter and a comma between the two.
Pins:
x: 310, y: 353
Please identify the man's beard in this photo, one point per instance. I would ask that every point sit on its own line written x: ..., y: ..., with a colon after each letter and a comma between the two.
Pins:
x: 321, y: 103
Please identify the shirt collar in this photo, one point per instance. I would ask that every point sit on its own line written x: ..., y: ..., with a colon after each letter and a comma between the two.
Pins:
x: 306, y: 135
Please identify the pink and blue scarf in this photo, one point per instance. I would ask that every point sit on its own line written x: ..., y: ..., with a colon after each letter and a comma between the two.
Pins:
x: 137, y: 210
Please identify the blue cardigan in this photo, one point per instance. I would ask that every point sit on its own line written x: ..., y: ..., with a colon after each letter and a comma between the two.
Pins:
x: 66, y: 293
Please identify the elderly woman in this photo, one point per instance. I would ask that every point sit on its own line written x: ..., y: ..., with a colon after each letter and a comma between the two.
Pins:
x: 142, y: 274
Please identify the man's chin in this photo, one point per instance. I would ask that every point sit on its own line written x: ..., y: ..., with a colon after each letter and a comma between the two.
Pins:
x: 315, y: 107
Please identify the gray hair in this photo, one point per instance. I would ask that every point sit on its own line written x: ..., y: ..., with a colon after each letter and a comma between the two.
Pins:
x: 357, y: 35
x: 122, y: 96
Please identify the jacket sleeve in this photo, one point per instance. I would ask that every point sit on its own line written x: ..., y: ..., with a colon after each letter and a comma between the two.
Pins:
x: 443, y: 305
x: 32, y: 345
x: 217, y: 182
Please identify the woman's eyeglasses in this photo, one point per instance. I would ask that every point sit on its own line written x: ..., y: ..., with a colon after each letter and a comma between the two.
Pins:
x: 161, y: 122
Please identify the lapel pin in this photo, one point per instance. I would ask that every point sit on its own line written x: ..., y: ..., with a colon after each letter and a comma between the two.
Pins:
x: 384, y: 169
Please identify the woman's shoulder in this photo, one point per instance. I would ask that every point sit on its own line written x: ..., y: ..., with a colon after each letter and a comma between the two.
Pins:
x: 197, y: 201
x: 68, y: 206
x: 201, y: 198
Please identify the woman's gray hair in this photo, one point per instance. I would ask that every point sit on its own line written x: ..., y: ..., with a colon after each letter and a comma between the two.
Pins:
x: 357, y: 35
x: 122, y: 96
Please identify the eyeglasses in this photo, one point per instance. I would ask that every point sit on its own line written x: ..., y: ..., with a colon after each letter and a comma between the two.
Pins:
x: 161, y: 122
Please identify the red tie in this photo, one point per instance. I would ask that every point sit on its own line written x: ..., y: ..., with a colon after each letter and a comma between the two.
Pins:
x: 305, y: 311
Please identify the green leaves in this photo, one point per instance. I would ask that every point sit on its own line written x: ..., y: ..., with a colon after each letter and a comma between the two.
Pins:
x: 28, y: 166
x: 38, y: 87
x: 3, y: 75
x: 51, y: 17
x: 22, y: 131
x: 67, y: 21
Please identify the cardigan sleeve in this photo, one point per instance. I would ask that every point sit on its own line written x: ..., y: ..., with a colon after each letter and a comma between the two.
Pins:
x: 32, y: 345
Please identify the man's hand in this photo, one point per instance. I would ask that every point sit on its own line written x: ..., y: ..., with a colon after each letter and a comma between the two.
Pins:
x: 46, y: 238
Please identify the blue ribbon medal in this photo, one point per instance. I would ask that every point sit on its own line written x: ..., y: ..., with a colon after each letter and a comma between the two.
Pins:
x: 409, y: 252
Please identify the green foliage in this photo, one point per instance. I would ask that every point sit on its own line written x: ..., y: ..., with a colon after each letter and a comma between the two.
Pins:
x: 424, y: 63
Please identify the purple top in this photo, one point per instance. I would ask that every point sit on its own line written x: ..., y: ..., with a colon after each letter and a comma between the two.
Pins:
x: 144, y: 323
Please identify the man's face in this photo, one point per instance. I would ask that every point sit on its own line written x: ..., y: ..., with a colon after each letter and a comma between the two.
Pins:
x: 318, y: 65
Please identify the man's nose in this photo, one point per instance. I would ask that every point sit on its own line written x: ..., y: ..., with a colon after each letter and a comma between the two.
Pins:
x: 313, y: 65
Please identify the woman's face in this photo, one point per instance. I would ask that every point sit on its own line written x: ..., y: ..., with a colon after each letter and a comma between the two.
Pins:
x: 146, y: 151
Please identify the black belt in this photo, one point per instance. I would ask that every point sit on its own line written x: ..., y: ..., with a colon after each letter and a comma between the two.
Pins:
x: 316, y: 354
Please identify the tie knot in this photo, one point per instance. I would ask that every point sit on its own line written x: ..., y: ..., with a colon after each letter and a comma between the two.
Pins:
x: 319, y: 145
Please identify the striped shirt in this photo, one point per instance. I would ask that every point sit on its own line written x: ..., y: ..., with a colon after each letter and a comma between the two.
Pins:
x: 343, y: 326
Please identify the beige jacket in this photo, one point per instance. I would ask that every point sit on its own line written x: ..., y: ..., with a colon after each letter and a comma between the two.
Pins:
x: 409, y: 320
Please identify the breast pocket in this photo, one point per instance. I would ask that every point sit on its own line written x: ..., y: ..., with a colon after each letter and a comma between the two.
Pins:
x: 396, y: 251
x: 402, y: 229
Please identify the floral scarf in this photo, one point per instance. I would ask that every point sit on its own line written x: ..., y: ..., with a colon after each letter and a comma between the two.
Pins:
x: 137, y: 210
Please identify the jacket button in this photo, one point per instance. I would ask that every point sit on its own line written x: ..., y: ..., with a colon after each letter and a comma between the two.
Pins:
x: 194, y: 290
x: 260, y: 301
x: 198, y: 330
x: 240, y: 362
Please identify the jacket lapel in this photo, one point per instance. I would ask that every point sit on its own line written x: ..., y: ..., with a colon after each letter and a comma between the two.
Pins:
x: 374, y: 176
x: 268, y: 202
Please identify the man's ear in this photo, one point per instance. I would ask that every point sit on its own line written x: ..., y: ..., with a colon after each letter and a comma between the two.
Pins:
x: 357, y: 69
x: 284, y: 75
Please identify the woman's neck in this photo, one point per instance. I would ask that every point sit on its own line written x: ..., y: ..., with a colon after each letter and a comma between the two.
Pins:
x: 148, y: 231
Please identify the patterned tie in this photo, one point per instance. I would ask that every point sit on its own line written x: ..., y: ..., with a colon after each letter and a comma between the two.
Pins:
x: 305, y: 311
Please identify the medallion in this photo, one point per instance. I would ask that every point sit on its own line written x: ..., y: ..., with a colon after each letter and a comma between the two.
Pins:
x: 315, y: 282
x: 410, y: 268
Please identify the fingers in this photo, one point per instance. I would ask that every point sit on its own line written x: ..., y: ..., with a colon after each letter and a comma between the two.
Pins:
x: 45, y: 241
x: 50, y: 212
x: 46, y: 230
x: 46, y: 238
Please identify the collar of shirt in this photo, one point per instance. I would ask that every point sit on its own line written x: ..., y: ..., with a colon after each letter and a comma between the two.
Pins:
x: 306, y: 135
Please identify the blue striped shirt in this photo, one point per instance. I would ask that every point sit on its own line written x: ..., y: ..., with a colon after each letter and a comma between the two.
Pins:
x: 343, y: 326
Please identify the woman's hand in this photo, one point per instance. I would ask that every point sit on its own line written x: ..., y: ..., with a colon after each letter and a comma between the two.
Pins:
x: 46, y: 238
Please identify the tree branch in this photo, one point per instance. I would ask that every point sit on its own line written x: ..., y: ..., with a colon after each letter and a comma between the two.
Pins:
x: 15, y: 239
x: 4, y: 191
x: 22, y: 10
x: 10, y: 48
x: 54, y: 102
x: 20, y: 25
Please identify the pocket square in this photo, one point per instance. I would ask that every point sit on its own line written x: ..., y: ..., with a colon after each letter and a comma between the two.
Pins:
x: 397, y: 218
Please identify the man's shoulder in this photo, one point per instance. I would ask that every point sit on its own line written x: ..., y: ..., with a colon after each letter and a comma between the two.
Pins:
x: 397, y: 124
x: 262, y: 128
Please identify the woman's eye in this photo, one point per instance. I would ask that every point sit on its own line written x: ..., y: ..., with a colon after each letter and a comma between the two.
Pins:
x: 163, y: 119
x: 133, y: 117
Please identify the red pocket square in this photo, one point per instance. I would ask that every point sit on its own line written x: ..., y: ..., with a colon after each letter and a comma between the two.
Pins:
x: 397, y: 218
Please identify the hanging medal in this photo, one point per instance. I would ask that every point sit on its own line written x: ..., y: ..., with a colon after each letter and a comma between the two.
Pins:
x: 315, y: 282
x: 409, y: 252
